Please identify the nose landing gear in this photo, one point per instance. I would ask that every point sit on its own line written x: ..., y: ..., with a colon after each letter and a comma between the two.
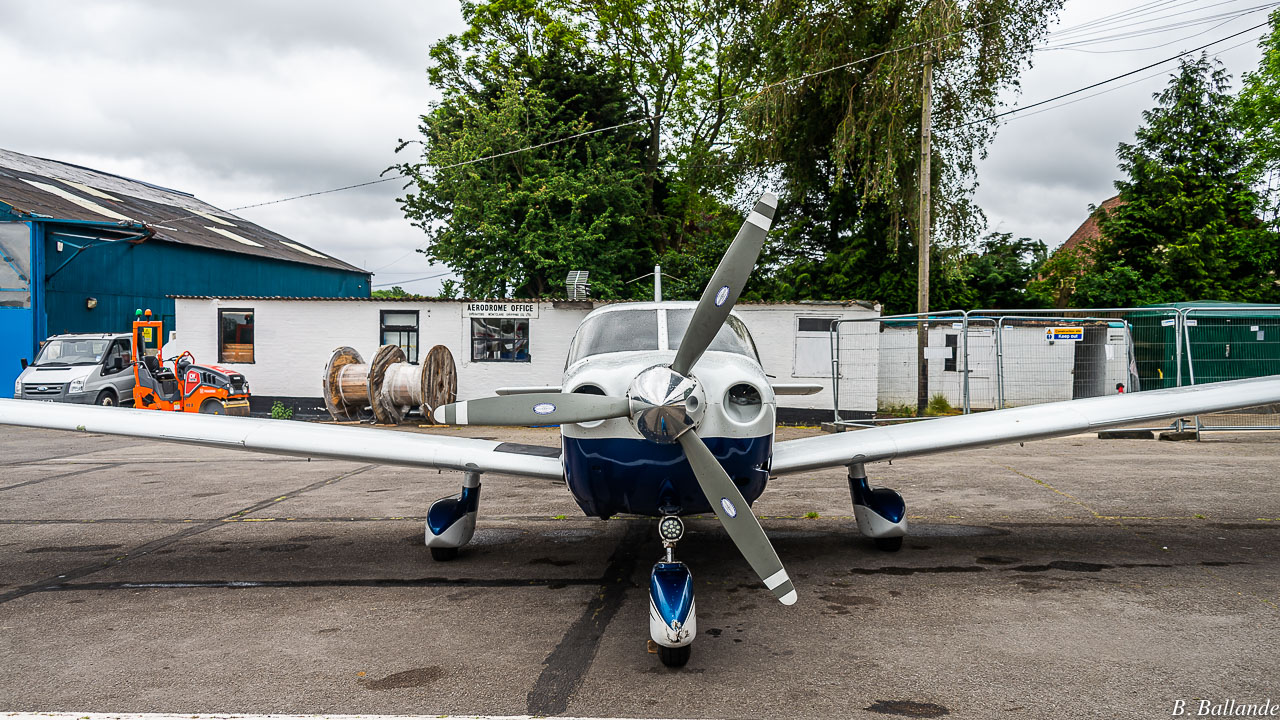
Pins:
x: 673, y: 621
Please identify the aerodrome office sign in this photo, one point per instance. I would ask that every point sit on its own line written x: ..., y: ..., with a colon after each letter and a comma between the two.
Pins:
x: 500, y: 310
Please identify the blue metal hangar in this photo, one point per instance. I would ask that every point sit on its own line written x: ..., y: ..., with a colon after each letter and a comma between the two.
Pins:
x: 81, y: 250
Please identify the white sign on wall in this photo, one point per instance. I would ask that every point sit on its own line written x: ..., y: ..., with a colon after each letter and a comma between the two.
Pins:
x: 501, y: 309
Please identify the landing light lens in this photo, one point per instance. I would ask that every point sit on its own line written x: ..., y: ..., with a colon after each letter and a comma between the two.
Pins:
x: 671, y: 528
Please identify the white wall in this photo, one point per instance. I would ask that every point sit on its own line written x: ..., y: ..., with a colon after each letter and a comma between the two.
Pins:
x: 294, y: 339
x: 773, y: 327
x: 1035, y: 371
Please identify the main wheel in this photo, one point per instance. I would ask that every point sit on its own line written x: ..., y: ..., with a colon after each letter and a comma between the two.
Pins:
x: 442, y: 554
x: 213, y: 406
x: 106, y: 398
x: 890, y: 544
x: 674, y: 657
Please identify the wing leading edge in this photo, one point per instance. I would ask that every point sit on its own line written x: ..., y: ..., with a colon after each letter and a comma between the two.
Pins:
x: 1035, y: 422
x: 282, y: 437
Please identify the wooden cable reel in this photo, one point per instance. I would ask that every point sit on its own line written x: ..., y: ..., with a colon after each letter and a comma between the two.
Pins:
x: 388, y: 385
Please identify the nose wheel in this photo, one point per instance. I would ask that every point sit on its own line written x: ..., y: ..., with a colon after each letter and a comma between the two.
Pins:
x: 673, y: 621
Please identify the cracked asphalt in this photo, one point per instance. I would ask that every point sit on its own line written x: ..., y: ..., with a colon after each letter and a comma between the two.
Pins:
x: 1067, y: 578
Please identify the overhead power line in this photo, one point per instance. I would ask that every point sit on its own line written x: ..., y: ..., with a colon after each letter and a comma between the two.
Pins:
x: 1232, y: 15
x: 1112, y: 89
x: 1107, y: 23
x: 1080, y: 31
x: 405, y: 282
x: 595, y: 131
x: 1107, y: 81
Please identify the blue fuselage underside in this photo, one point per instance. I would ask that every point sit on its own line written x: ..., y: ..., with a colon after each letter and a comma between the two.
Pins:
x: 608, y: 476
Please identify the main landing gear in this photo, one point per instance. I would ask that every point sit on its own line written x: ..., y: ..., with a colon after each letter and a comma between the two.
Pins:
x: 451, y: 521
x: 881, y: 513
x: 673, y: 622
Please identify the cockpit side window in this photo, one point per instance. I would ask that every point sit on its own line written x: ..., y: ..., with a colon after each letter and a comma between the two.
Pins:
x: 617, y: 331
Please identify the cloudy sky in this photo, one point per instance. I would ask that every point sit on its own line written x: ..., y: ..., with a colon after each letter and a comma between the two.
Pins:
x: 241, y: 103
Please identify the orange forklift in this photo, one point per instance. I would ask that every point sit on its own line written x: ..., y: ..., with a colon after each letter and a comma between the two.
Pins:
x: 186, y: 387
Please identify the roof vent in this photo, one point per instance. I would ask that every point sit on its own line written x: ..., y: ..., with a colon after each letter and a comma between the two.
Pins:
x: 577, y: 287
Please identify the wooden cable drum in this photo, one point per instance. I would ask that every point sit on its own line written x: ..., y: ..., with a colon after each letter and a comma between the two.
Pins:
x: 388, y: 385
x: 439, y: 382
x: 345, y: 387
x: 386, y: 410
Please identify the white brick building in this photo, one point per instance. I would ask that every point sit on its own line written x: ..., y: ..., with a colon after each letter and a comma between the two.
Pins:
x: 494, y: 343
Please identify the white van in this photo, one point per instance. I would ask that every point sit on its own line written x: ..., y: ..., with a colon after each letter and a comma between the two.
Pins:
x: 93, y: 369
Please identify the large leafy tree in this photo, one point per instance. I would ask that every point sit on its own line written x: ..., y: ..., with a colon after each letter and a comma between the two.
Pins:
x: 515, y: 224
x: 1259, y: 114
x: 646, y: 78
x: 1187, y: 228
x: 838, y: 124
x: 678, y: 110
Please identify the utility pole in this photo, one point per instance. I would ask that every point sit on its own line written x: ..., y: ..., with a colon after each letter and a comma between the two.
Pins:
x: 922, y: 266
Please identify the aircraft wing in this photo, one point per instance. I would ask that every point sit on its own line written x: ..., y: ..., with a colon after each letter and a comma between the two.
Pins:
x: 1035, y: 422
x: 283, y: 437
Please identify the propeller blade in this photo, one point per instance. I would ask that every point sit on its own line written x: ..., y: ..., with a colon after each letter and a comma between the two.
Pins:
x: 726, y: 284
x: 533, y: 409
x: 737, y: 518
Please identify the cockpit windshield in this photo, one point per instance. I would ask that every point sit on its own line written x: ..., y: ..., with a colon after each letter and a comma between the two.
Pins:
x: 733, y: 336
x: 631, y: 330
x: 617, y: 331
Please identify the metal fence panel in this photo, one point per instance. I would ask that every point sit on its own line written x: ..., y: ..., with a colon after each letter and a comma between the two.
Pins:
x: 983, y: 360
x: 1232, y: 343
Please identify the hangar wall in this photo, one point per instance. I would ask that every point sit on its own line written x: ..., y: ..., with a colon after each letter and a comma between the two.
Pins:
x: 123, y: 277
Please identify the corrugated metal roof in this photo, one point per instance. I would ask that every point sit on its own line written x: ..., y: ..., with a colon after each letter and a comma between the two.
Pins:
x: 40, y: 188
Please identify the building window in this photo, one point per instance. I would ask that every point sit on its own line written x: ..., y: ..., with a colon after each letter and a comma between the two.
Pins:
x: 400, y: 327
x: 815, y: 324
x: 949, y: 364
x: 500, y: 339
x: 235, y: 336
x: 15, y: 265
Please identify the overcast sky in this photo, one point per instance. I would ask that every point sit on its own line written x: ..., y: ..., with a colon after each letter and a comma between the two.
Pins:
x: 245, y: 102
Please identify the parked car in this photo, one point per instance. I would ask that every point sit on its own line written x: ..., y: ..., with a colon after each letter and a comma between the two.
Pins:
x: 93, y: 369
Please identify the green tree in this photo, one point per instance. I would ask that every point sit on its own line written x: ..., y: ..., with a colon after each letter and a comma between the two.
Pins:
x: 652, y: 70
x: 1259, y: 114
x: 838, y: 124
x: 395, y: 292
x: 1187, y: 228
x: 675, y: 60
x: 514, y: 225
x: 998, y: 275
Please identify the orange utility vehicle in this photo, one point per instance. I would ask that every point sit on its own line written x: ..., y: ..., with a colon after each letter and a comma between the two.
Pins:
x: 186, y: 387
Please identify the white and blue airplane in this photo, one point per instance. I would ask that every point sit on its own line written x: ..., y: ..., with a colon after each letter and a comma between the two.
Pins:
x: 665, y: 411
